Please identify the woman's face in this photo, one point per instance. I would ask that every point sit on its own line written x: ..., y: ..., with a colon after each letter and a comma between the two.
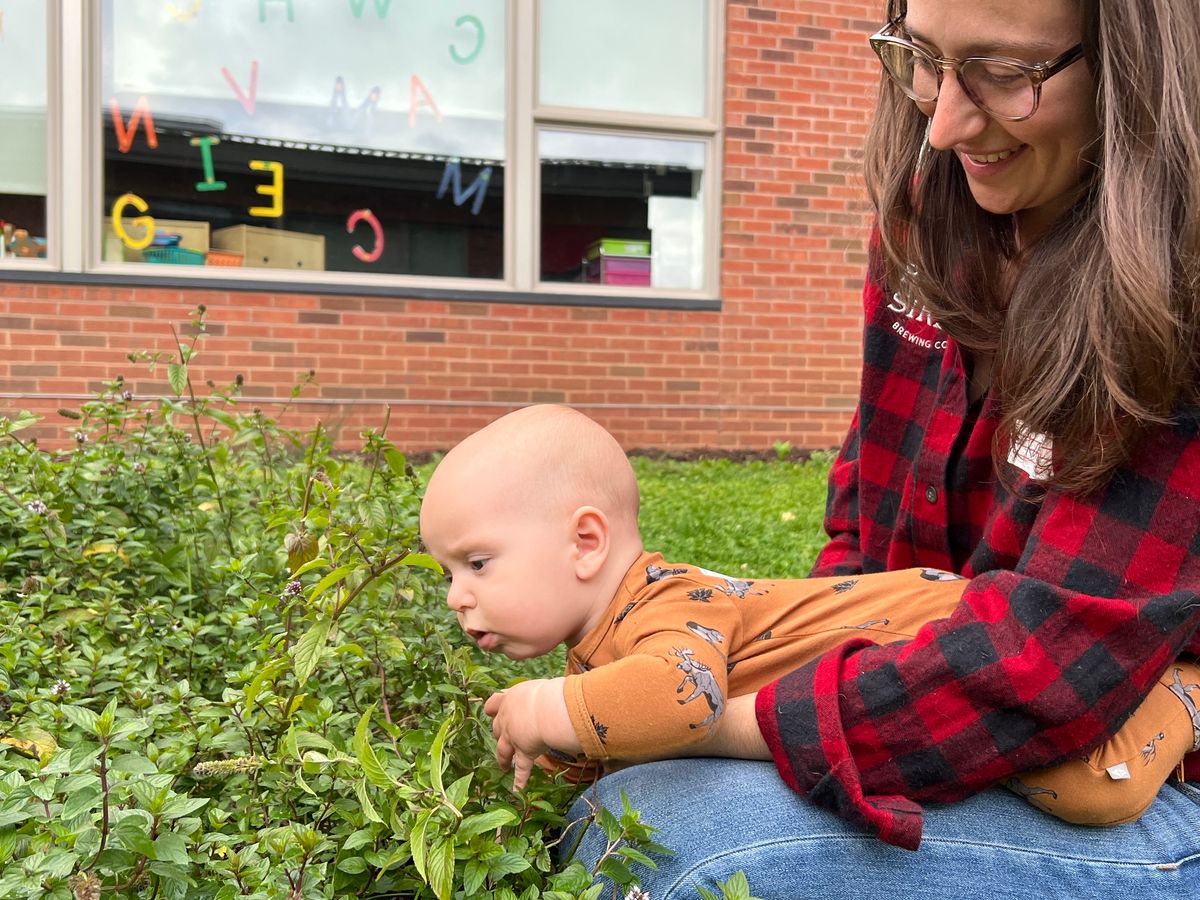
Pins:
x: 1029, y: 168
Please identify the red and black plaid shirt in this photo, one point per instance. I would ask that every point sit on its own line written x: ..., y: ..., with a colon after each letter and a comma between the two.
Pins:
x: 1075, y: 607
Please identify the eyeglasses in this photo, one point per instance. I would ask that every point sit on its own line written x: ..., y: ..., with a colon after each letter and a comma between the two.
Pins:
x: 1005, y: 88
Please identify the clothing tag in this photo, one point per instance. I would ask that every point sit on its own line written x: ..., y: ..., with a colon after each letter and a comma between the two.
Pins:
x: 1033, y: 454
x: 1119, y: 772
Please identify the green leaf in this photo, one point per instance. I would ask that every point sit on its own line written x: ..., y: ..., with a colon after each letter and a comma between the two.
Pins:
x: 132, y: 833
x: 24, y: 419
x: 310, y: 648
x: 395, y: 460
x: 352, y: 865
x: 423, y: 561
x: 486, y: 821
x: 267, y: 673
x: 330, y: 580
x: 508, y: 864
x: 106, y: 719
x: 436, y: 762
x: 172, y: 848
x: 474, y: 872
x: 417, y: 845
x: 179, y: 806
x: 364, y: 800
x: 441, y: 868
x: 456, y: 794
x: 80, y: 802
x: 177, y: 376
x: 133, y: 764
x: 372, y: 768
x: 81, y: 717
x: 360, y: 838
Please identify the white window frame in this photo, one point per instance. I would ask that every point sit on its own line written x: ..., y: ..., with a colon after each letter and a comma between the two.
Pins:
x: 75, y: 178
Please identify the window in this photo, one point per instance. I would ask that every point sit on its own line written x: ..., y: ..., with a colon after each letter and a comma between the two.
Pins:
x: 521, y: 146
x: 23, y: 127
x: 360, y: 136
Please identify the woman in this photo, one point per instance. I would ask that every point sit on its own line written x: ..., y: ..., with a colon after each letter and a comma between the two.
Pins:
x: 1028, y: 418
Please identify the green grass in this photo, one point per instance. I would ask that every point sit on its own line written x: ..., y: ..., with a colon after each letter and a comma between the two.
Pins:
x: 752, y: 519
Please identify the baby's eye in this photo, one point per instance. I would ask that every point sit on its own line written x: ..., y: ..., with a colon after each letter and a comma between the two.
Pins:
x: 448, y: 578
x: 477, y: 564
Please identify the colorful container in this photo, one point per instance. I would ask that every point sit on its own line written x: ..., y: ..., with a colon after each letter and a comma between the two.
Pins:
x: 627, y: 270
x: 617, y: 247
x: 177, y: 256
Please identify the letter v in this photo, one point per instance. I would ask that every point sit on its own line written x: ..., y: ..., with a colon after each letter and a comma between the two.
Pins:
x: 247, y: 102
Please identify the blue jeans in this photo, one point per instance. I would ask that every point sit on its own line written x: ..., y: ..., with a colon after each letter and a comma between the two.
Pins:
x: 722, y: 815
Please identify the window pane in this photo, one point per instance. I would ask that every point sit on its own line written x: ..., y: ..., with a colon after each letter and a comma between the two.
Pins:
x: 624, y: 55
x: 622, y: 210
x: 23, y: 150
x: 359, y: 136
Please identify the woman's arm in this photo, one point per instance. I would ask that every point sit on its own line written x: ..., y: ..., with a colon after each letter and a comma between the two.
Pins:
x: 1036, y: 665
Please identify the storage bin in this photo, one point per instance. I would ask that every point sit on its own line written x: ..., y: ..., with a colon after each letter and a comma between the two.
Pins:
x: 272, y: 248
x: 193, y: 235
x: 177, y: 256
x: 223, y: 258
x: 628, y: 270
x: 617, y: 247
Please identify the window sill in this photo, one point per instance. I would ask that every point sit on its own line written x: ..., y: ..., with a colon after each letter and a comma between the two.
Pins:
x: 625, y: 299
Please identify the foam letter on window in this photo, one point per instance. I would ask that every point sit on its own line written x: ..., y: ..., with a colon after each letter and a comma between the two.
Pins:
x: 274, y: 189
x: 262, y: 10
x: 184, y: 15
x: 206, y: 144
x: 381, y: 7
x: 452, y: 178
x: 416, y: 91
x: 360, y: 215
x: 125, y: 134
x: 460, y: 22
x: 146, y: 222
x: 248, y: 102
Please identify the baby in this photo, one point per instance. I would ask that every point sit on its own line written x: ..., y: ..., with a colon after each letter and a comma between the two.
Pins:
x: 534, y: 519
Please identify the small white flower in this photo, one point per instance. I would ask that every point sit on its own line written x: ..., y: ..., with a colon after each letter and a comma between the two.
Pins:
x: 60, y: 687
x: 636, y: 893
x: 81, y: 437
x: 37, y: 507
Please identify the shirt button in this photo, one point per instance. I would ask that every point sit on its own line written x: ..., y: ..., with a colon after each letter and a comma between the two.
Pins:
x: 931, y: 494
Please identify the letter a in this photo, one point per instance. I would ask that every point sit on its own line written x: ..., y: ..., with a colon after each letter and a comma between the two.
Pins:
x: 126, y: 134
x: 416, y: 87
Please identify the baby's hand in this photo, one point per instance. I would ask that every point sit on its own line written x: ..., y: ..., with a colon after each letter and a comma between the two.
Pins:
x: 528, y: 719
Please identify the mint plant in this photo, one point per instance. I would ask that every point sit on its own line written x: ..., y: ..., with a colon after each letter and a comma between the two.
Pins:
x: 227, y: 671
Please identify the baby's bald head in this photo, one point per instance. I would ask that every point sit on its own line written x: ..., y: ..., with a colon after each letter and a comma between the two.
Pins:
x: 551, y: 456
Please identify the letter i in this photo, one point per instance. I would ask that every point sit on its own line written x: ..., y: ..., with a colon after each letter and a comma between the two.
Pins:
x: 206, y: 144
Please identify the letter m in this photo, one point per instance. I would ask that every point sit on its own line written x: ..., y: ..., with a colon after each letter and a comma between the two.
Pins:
x: 452, y: 177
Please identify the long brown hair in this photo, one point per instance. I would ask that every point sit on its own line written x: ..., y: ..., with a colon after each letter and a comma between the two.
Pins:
x: 1097, y: 328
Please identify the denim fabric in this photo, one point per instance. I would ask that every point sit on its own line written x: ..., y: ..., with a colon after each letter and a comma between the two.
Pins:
x: 720, y: 816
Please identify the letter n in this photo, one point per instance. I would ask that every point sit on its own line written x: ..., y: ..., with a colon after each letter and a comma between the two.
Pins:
x: 126, y: 133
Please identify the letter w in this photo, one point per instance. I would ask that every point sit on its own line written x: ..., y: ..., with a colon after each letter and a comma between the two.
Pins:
x: 381, y: 7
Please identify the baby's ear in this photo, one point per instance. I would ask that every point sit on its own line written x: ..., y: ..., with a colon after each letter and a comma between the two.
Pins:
x: 590, y: 535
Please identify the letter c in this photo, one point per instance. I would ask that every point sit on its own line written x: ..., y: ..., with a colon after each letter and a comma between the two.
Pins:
x: 360, y: 215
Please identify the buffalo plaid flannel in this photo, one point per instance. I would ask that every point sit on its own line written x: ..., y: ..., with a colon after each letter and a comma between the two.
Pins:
x: 1076, y: 605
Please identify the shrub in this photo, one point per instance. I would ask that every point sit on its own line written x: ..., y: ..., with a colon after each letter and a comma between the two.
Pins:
x: 226, y: 671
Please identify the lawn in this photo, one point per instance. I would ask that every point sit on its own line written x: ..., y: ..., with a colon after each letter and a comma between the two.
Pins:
x: 752, y: 519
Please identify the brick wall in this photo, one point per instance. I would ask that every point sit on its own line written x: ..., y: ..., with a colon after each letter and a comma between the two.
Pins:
x: 778, y: 361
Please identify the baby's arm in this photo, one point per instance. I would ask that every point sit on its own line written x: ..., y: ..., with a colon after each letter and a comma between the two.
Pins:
x: 530, y: 719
